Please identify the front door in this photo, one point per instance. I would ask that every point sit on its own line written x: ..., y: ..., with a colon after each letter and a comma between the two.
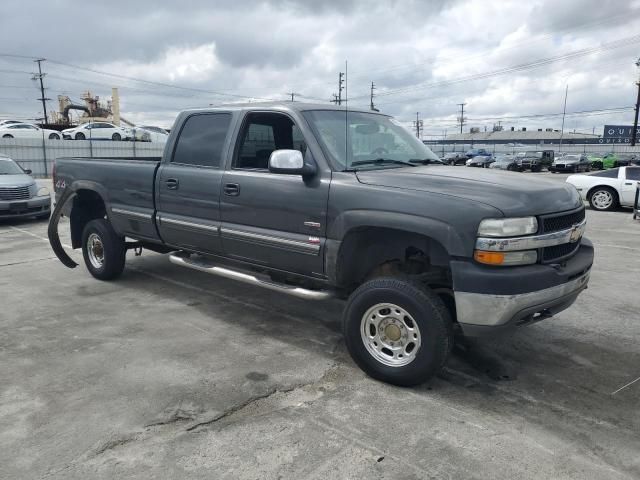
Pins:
x: 273, y: 219
x: 628, y: 189
x: 188, y: 185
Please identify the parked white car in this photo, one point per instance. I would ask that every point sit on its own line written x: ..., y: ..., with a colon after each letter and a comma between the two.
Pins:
x: 98, y: 131
x: 608, y: 189
x: 26, y: 130
x: 148, y: 133
x: 9, y: 122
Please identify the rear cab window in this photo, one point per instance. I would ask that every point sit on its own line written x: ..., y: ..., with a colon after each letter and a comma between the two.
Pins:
x: 201, y: 140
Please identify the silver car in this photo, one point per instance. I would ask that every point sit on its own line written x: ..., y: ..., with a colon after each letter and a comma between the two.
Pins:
x: 20, y: 196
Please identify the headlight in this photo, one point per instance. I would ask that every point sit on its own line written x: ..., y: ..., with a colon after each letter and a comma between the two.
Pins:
x: 507, y: 227
x: 43, y: 192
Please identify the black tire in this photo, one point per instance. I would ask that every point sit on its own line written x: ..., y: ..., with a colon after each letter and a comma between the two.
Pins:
x: 7, y: 136
x: 614, y: 204
x: 428, y: 312
x: 80, y: 136
x: 116, y: 137
x: 113, y: 250
x: 54, y: 136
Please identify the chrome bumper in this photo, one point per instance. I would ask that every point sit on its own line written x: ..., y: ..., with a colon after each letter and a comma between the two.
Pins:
x: 486, y: 310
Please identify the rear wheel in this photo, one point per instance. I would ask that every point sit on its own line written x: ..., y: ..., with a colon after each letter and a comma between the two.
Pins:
x: 603, y: 198
x: 7, y: 136
x: 103, y: 250
x: 397, y: 331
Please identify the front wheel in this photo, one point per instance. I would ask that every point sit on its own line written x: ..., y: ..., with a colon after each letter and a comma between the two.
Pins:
x: 603, y: 199
x: 80, y: 136
x: 7, y: 136
x: 397, y: 331
x: 116, y: 137
x: 54, y: 136
x: 103, y: 250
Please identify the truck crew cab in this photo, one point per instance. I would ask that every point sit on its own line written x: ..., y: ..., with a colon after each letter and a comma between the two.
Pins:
x: 317, y: 201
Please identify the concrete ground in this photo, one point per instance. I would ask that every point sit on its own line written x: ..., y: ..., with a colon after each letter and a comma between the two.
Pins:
x: 170, y: 373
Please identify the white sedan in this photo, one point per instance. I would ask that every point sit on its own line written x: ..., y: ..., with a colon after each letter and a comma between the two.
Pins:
x: 97, y: 131
x: 608, y: 189
x: 148, y: 133
x: 26, y: 130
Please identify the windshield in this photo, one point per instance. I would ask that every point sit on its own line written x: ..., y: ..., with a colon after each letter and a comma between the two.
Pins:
x: 9, y: 167
x: 365, y: 140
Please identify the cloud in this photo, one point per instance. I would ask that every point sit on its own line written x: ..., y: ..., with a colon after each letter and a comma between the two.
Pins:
x: 263, y: 49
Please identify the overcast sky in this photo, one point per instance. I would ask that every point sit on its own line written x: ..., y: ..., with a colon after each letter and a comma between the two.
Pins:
x: 423, y: 56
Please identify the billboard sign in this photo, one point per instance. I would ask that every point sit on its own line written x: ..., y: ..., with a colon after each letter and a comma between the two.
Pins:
x: 618, y: 134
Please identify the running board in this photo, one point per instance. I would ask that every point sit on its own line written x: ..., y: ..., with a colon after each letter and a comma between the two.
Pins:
x: 202, y: 266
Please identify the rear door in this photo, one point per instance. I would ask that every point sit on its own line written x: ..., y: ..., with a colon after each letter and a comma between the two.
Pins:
x: 188, y: 183
x: 273, y: 219
x: 628, y: 188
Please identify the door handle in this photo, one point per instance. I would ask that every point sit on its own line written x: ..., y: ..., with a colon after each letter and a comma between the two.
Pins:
x: 231, y: 189
x: 172, y: 183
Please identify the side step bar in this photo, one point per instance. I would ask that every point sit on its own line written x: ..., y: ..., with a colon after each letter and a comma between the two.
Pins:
x: 202, y: 266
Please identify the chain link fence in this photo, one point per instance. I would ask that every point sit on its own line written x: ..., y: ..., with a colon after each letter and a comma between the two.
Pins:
x: 597, y: 149
x: 39, y: 155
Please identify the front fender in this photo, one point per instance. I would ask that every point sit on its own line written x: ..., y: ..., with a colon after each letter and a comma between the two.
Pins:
x: 453, y: 241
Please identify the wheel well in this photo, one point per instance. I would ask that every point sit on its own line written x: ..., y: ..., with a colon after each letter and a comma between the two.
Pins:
x: 592, y: 189
x: 372, y: 251
x: 87, y: 205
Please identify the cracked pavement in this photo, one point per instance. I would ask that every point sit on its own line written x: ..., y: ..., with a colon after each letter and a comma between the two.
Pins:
x: 170, y: 373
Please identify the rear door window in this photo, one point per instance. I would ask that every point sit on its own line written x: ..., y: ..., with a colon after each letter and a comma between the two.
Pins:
x: 202, y: 139
x: 633, y: 173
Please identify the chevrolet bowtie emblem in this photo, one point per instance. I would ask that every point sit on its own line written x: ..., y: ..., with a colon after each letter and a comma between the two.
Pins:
x: 576, y: 233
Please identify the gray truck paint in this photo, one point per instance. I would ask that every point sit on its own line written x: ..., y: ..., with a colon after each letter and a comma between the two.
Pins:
x: 297, y: 225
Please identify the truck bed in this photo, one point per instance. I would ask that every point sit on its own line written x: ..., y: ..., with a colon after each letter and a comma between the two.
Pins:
x: 125, y: 184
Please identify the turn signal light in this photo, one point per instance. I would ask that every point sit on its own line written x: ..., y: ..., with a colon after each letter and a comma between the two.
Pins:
x: 525, y: 257
x: 489, y: 258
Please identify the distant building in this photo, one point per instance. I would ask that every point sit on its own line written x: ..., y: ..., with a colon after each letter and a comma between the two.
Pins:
x: 524, y: 136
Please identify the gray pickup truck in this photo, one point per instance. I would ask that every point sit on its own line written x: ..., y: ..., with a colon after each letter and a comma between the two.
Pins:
x: 316, y: 201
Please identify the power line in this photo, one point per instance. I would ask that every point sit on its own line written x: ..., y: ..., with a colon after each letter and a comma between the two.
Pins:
x: 517, y: 68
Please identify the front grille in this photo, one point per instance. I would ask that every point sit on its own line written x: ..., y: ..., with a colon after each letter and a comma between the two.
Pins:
x: 14, y: 193
x: 562, y: 221
x: 558, y: 252
x: 559, y: 165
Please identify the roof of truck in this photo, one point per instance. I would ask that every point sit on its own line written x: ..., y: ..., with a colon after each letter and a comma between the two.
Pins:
x: 280, y: 105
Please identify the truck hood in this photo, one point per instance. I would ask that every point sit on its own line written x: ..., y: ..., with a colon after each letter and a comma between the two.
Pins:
x: 19, y: 180
x: 513, y: 193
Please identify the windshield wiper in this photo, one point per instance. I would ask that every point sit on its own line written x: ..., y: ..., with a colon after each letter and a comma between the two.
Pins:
x: 424, y: 161
x: 381, y: 161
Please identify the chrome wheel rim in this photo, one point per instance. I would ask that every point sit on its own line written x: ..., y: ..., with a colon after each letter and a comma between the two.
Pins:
x: 602, y: 199
x: 95, y: 249
x: 390, y: 334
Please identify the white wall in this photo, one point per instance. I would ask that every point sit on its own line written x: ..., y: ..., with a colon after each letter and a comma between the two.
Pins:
x: 31, y: 153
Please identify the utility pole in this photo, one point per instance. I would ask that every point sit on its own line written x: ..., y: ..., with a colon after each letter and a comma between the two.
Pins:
x: 564, y: 112
x: 340, y: 87
x: 461, y: 119
x: 334, y: 98
x: 634, y: 133
x: 40, y: 76
x: 372, y: 106
x: 293, y: 94
x: 418, y: 125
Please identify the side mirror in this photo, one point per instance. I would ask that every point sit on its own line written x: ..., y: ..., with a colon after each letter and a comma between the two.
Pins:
x: 289, y: 162
x: 27, y: 171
